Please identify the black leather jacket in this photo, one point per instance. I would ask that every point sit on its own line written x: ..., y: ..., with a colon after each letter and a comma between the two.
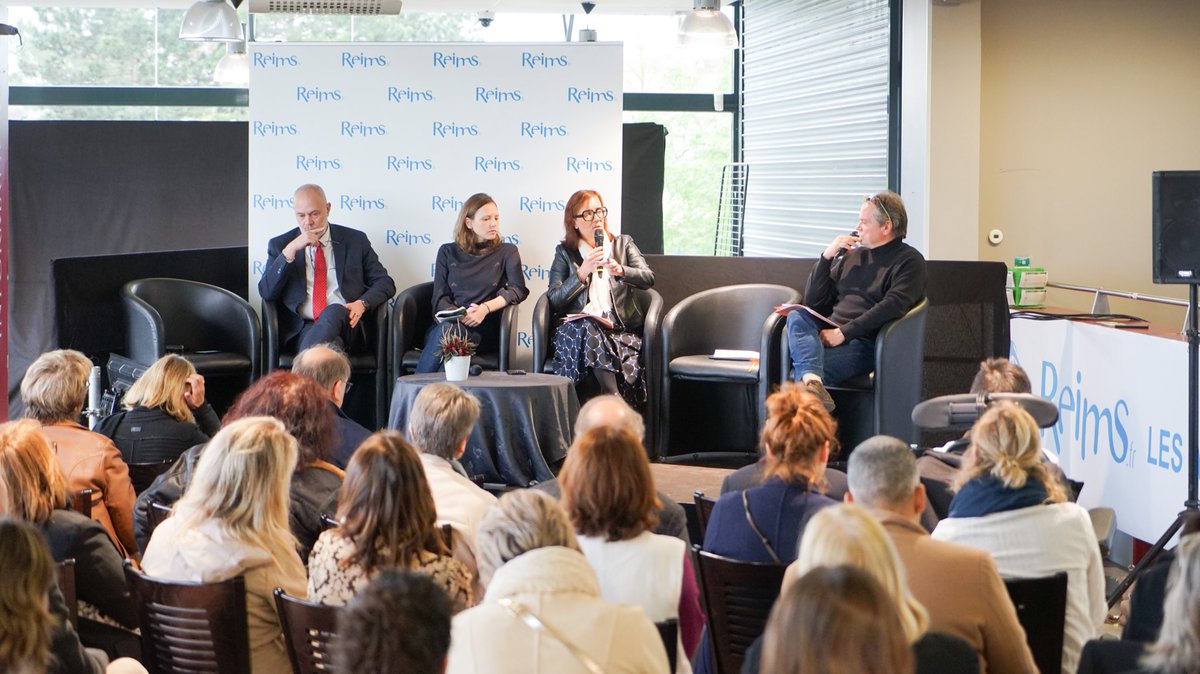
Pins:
x: 568, y: 295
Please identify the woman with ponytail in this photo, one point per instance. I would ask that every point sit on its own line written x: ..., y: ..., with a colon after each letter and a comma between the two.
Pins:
x: 1008, y: 503
x: 765, y: 523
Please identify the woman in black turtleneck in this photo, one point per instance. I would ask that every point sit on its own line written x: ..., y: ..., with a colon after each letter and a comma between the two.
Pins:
x: 476, y: 272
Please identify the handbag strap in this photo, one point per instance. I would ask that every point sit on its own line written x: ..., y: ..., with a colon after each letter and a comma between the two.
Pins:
x: 758, y: 532
x: 531, y: 620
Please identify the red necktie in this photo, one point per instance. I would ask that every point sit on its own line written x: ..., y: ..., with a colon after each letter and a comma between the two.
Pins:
x: 320, y: 282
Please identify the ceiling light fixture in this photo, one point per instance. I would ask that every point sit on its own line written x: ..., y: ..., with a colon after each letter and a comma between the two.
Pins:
x: 212, y: 21
x: 234, y: 66
x: 707, y: 26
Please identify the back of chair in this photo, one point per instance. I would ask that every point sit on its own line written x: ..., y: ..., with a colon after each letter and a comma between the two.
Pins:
x: 82, y: 501
x: 156, y: 514
x: 737, y: 600
x: 668, y: 630
x: 66, y: 585
x: 142, y: 475
x: 329, y: 521
x: 310, y: 630
x: 899, y: 364
x: 1042, y: 610
x: 704, y: 508
x: 729, y: 317
x: 412, y: 316
x: 191, y: 627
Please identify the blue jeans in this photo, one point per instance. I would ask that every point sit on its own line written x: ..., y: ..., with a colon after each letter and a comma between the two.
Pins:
x: 833, y: 364
x: 485, y: 335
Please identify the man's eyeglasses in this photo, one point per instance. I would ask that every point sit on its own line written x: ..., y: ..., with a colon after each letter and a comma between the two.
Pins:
x: 879, y: 202
x: 588, y: 216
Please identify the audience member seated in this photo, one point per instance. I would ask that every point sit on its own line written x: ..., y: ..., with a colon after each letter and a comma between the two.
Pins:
x: 399, y: 623
x: 165, y: 413
x: 798, y: 436
x: 610, y: 411
x: 958, y: 585
x: 535, y: 575
x: 840, y: 617
x: 388, y: 521
x: 37, y: 635
x: 299, y: 403
x: 477, y: 273
x: 233, y: 521
x: 609, y: 494
x: 585, y: 279
x: 54, y: 389
x: 1009, y: 504
x: 330, y: 368
x: 847, y: 534
x: 439, y: 425
x: 1146, y: 600
x: 32, y: 489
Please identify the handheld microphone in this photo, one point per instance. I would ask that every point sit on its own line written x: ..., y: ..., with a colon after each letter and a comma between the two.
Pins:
x: 598, y: 238
x: 475, y: 371
x: 842, y: 251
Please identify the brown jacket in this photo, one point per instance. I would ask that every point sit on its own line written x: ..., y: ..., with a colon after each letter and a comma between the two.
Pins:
x: 964, y: 595
x: 91, y: 461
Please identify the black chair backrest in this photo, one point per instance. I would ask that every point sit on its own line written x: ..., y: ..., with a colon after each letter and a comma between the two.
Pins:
x: 329, y: 521
x: 704, y: 508
x: 1042, y: 610
x: 669, y: 631
x: 729, y: 317
x: 195, y: 315
x: 81, y: 501
x: 309, y: 630
x: 142, y: 475
x: 191, y: 627
x: 737, y: 600
x: 66, y: 585
x: 156, y: 514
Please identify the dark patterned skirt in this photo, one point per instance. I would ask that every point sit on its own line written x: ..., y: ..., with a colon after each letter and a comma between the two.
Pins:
x: 584, y: 345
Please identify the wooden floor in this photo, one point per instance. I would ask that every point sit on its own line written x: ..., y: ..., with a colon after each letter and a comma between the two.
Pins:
x: 678, y: 481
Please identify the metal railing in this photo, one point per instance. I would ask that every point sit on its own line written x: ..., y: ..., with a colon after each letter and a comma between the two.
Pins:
x: 1101, y: 295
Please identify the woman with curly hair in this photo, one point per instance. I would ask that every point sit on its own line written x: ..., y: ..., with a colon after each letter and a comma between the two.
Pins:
x: 1009, y: 504
x: 388, y: 521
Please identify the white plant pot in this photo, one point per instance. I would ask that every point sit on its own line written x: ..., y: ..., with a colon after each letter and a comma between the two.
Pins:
x: 457, y: 368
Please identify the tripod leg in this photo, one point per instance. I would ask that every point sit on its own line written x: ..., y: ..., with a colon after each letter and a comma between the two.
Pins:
x: 1147, y: 560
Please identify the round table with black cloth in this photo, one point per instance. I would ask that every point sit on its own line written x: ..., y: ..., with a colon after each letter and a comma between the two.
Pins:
x: 524, y: 426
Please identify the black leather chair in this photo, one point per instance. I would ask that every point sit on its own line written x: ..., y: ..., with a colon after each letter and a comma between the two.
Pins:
x: 730, y: 317
x: 191, y: 627
x: 651, y: 305
x: 412, y: 316
x: 1041, y: 605
x: 881, y: 402
x: 217, y: 331
x: 704, y: 508
x: 370, y: 361
x: 737, y: 600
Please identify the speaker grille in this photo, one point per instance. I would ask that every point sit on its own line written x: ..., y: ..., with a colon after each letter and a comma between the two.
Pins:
x: 1177, y: 227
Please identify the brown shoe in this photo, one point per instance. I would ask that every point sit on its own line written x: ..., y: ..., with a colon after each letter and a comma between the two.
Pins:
x: 817, y: 388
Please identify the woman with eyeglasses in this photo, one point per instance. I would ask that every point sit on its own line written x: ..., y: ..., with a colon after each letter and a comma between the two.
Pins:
x: 477, y: 275
x: 592, y: 274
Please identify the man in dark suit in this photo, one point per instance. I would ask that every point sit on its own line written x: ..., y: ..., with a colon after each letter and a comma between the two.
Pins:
x: 330, y: 368
x: 324, y: 277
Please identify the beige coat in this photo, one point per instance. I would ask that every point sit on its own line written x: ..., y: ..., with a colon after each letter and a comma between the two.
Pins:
x: 964, y: 595
x: 91, y: 461
x: 560, y: 587
x: 206, y: 554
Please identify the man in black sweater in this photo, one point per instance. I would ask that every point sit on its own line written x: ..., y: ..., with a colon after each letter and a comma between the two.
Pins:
x: 861, y: 282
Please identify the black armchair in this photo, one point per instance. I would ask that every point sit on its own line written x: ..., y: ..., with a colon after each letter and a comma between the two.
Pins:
x: 882, y: 402
x: 412, y: 316
x: 370, y: 361
x: 651, y: 305
x: 213, y: 328
x: 731, y: 317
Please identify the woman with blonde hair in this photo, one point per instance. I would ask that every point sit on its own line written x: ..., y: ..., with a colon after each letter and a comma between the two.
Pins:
x: 165, y: 413
x: 477, y: 275
x: 54, y: 390
x: 835, y: 620
x: 608, y: 492
x: 32, y: 489
x: 847, y: 535
x: 388, y: 521
x: 1009, y: 504
x: 233, y: 521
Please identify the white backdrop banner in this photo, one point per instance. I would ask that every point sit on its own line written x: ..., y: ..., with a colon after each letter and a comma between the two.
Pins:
x: 1122, y: 405
x: 399, y: 135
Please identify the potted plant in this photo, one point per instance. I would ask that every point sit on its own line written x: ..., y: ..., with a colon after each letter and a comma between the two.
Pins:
x: 454, y: 350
